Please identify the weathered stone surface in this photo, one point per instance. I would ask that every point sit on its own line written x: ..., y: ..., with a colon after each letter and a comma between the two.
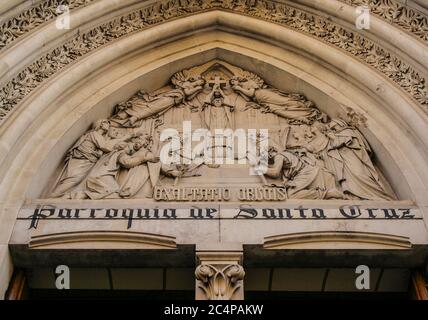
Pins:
x: 397, y: 70
x: 322, y: 88
x: 306, y: 154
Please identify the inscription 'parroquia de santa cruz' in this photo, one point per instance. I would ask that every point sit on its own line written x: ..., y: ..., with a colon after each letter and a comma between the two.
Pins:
x: 213, y: 149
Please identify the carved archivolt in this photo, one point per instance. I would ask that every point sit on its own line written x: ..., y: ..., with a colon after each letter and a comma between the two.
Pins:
x: 408, y: 19
x: 391, y: 66
x: 34, y: 17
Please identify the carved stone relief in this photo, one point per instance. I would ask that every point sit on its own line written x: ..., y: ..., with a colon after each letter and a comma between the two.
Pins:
x: 391, y: 66
x: 410, y: 20
x: 310, y: 156
x: 219, y: 275
x: 219, y: 282
x: 34, y: 17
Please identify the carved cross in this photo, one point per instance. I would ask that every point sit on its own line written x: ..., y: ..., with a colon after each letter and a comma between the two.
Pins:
x: 217, y: 82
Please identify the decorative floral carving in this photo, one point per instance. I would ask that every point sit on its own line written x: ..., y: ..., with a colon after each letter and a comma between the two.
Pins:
x: 219, y: 282
x: 406, y: 18
x: 34, y: 17
x: 404, y: 75
x: 412, y: 21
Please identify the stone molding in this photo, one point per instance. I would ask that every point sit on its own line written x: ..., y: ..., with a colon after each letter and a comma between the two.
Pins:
x: 408, y: 19
x: 109, y: 239
x: 336, y: 240
x: 391, y: 66
x: 34, y: 17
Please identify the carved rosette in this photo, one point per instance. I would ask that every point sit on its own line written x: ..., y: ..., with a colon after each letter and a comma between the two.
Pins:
x: 219, y: 282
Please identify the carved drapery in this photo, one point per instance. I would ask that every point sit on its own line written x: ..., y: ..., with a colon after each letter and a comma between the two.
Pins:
x: 311, y: 156
x: 391, y: 66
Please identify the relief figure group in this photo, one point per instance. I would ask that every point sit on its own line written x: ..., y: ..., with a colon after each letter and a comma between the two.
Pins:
x: 313, y: 157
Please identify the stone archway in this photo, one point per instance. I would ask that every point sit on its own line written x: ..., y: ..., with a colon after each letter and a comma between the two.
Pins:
x: 47, y: 120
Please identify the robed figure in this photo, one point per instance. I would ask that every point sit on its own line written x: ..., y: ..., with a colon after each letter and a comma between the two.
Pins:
x: 302, y: 175
x: 289, y: 106
x: 349, y: 155
x: 83, y: 156
x: 145, y: 105
x: 132, y: 113
x: 140, y: 172
x: 217, y: 110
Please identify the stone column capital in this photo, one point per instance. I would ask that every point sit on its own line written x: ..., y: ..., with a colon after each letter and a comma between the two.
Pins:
x: 219, y: 274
